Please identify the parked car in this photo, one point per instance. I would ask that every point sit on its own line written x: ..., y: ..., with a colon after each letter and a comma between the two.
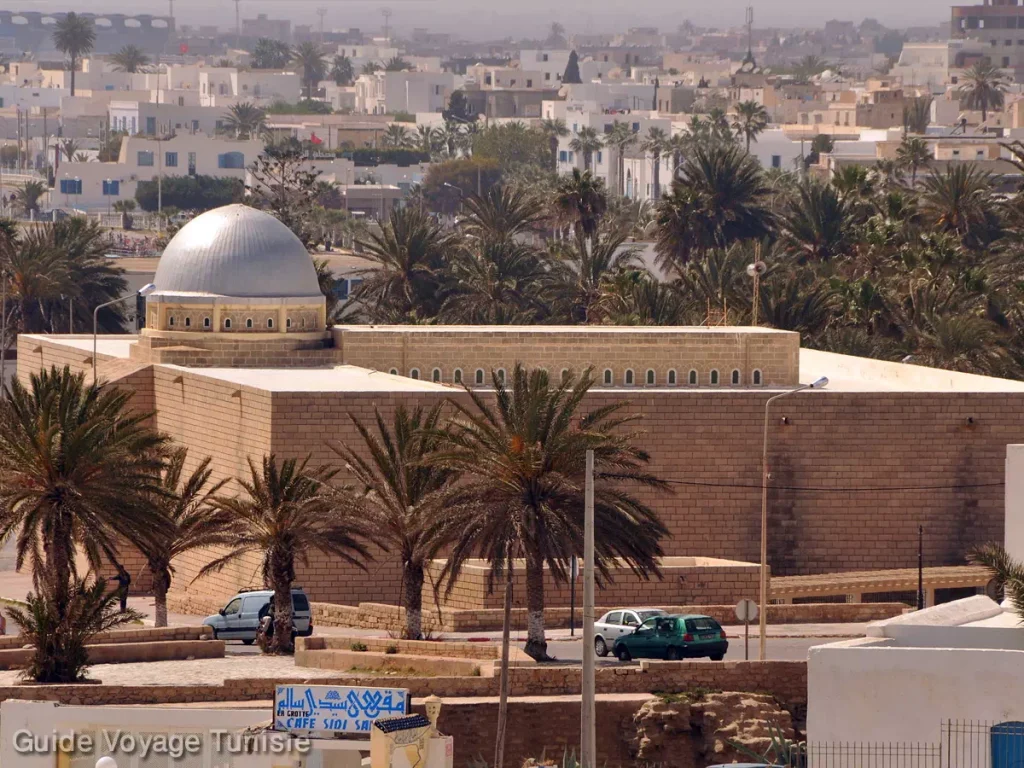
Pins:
x: 673, y: 638
x: 615, y: 624
x: 240, y: 618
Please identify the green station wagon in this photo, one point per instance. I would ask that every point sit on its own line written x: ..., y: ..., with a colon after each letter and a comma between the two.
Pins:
x: 673, y: 638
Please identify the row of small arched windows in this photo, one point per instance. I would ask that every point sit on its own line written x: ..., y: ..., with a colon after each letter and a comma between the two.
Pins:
x: 672, y: 378
x: 227, y: 323
x: 629, y: 378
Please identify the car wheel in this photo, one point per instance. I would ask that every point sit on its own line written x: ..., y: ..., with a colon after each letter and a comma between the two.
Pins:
x: 672, y: 654
x: 600, y: 648
x: 623, y: 653
x: 249, y: 641
x: 717, y: 656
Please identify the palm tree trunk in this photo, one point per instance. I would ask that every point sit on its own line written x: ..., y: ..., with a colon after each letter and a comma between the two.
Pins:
x: 72, y: 75
x: 161, y: 585
x: 553, y: 143
x: 282, y: 583
x: 748, y: 143
x: 657, y: 178
x: 587, y: 159
x: 56, y: 576
x: 536, y: 645
x: 412, y: 600
x: 622, y: 172
x: 506, y: 624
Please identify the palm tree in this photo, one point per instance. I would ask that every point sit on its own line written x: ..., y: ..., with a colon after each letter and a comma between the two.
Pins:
x: 1007, y: 573
x: 982, y: 87
x: 395, y: 137
x: 370, y: 67
x: 399, y: 491
x: 396, y: 64
x: 913, y: 154
x: 310, y: 60
x: 69, y: 148
x: 502, y: 213
x: 586, y: 142
x: 917, y: 114
x: 27, y: 198
x: 185, y: 507
x: 522, y: 458
x: 426, y: 139
x: 130, y: 58
x: 341, y: 70
x: 581, y: 201
x: 656, y: 144
x: 245, y: 120
x: 677, y: 147
x: 960, y: 200
x: 494, y: 281
x: 750, y: 122
x: 287, y: 512
x: 59, y: 633
x: 621, y: 137
x: 719, y: 197
x: 579, y: 278
x: 270, y: 54
x: 77, y: 466
x: 409, y: 253
x: 74, y: 36
x: 553, y: 129
x: 818, y: 224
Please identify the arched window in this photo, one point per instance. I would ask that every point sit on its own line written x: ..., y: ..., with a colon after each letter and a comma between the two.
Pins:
x: 270, y: 322
x: 206, y: 322
x: 170, y: 321
x: 608, y: 376
x: 248, y: 322
x: 393, y: 371
x: 188, y: 322
x: 714, y: 378
x: 479, y: 378
x: 227, y: 323
x: 650, y: 377
x: 672, y: 377
x: 735, y: 377
x: 435, y: 375
x: 629, y: 377
x: 414, y: 373
x: 692, y: 378
x: 457, y: 376
x: 757, y: 377
x: 501, y: 375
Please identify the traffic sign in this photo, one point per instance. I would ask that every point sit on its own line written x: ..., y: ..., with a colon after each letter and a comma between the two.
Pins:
x: 746, y: 610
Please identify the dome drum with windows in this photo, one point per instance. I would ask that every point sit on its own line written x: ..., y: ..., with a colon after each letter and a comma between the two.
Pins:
x: 234, y: 276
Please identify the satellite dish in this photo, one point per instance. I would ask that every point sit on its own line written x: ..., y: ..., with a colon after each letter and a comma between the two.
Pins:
x: 757, y: 268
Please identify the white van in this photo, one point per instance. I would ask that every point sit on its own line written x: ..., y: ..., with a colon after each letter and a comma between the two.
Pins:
x: 240, y: 618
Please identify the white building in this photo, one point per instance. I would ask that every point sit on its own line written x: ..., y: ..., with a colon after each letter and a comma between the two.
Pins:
x: 385, y: 93
x: 28, y: 96
x: 550, y: 64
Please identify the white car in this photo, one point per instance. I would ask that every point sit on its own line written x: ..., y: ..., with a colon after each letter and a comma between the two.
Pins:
x: 615, y: 624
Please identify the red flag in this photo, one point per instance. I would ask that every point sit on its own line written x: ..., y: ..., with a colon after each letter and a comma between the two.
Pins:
x: 183, y: 48
x: 314, y: 139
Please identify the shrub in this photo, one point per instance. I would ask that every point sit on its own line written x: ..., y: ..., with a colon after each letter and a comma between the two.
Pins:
x: 59, y: 634
x: 191, y: 193
x: 391, y: 650
x: 358, y: 646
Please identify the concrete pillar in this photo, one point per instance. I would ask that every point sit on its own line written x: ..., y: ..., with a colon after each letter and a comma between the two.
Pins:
x: 856, y: 597
x: 929, y: 597
x: 1013, y: 536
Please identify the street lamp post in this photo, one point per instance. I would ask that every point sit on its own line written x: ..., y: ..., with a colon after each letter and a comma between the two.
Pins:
x: 143, y: 291
x: 819, y: 384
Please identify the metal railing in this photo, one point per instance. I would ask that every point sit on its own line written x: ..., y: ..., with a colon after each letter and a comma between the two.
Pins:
x: 873, y: 755
x: 979, y: 744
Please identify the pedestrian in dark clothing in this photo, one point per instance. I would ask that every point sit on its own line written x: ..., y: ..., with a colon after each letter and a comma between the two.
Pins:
x: 124, y: 581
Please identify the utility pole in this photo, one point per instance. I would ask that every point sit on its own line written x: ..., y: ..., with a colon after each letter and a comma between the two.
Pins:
x: 238, y: 24
x: 588, y: 737
x: 171, y: 9
x: 386, y: 13
x: 321, y: 12
x: 920, y: 567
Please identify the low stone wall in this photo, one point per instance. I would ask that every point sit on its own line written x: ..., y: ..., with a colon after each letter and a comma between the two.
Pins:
x: 396, y: 663
x: 140, y: 635
x: 447, y: 650
x: 785, y: 680
x: 129, y: 653
x: 390, y: 618
x: 683, y: 580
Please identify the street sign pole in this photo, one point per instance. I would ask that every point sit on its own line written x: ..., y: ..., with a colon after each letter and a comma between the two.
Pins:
x: 746, y: 611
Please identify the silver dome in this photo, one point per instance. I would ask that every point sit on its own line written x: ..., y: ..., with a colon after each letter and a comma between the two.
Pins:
x: 237, y: 251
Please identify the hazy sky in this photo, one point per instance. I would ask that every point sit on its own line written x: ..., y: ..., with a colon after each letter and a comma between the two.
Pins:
x: 476, y: 19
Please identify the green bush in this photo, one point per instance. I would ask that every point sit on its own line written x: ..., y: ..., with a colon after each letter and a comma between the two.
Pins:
x: 400, y: 157
x: 358, y: 646
x: 391, y: 650
x: 191, y: 193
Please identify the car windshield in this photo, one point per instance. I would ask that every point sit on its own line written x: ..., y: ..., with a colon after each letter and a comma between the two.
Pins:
x: 299, y: 602
x: 645, y: 615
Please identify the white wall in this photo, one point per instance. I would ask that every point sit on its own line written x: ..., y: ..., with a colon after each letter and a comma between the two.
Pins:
x: 1014, y: 501
x: 862, y: 691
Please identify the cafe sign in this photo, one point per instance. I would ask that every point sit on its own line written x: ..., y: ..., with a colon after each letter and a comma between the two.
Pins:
x: 328, y: 711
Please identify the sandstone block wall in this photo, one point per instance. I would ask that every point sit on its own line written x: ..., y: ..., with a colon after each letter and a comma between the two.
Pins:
x: 774, y: 353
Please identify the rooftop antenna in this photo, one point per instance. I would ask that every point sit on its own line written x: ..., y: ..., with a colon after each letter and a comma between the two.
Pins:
x: 321, y: 12
x: 171, y: 4
x: 750, y: 31
x: 238, y: 24
x: 386, y: 13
